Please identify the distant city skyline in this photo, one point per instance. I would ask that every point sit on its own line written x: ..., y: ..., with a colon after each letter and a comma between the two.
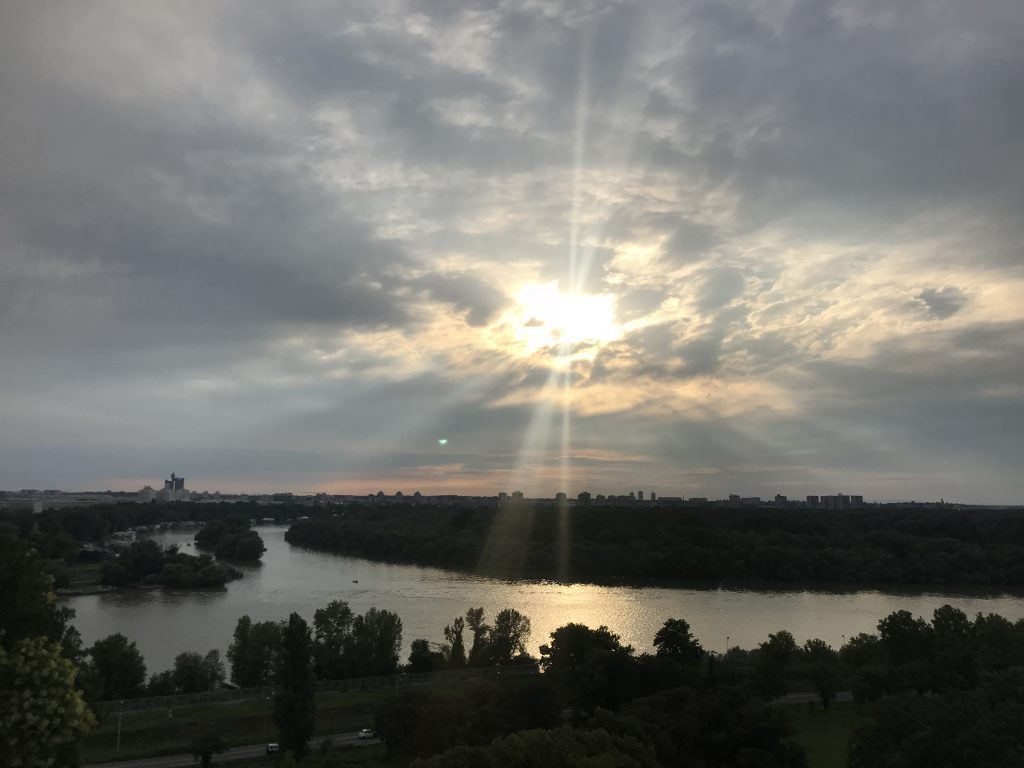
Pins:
x: 703, y: 248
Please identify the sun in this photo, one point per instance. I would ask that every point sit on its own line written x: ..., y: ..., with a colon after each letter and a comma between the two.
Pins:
x: 575, y: 323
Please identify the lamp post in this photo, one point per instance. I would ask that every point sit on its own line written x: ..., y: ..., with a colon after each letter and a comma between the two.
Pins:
x: 120, y: 707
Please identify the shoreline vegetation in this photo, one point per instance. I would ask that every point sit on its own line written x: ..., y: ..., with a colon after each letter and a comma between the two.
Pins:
x: 951, y: 685
x: 967, y: 551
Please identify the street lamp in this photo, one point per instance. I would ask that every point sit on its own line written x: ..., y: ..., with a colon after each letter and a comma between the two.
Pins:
x: 120, y: 706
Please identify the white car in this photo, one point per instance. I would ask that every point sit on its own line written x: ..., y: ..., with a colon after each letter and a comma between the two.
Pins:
x: 367, y: 733
x: 273, y: 748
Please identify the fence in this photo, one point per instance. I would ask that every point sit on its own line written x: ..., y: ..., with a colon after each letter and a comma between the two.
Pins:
x: 349, y: 684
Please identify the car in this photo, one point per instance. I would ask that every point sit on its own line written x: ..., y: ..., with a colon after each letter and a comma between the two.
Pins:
x: 367, y: 733
x: 272, y: 748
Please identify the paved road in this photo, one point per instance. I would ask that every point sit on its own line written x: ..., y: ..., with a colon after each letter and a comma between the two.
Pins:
x: 236, y: 753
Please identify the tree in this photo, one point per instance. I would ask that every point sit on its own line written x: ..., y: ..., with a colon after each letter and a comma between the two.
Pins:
x: 591, y: 665
x: 909, y: 645
x: 675, y: 640
x: 480, y: 651
x: 294, y: 710
x: 332, y: 640
x: 28, y: 607
x: 421, y: 658
x: 509, y: 635
x: 119, y: 667
x: 955, y: 649
x: 453, y: 634
x: 557, y: 748
x: 205, y: 745
x: 823, y: 667
x: 42, y: 716
x: 376, y: 643
x: 773, y: 660
x: 252, y: 651
x: 865, y: 658
x: 194, y: 673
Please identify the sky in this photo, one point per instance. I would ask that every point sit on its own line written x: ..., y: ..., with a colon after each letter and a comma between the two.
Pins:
x: 697, y: 248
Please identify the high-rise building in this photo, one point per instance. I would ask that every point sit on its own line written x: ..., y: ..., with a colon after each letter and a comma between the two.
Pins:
x: 583, y: 499
x: 813, y: 502
x: 640, y: 495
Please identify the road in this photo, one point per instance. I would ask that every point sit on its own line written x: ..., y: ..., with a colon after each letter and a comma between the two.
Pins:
x: 235, y: 753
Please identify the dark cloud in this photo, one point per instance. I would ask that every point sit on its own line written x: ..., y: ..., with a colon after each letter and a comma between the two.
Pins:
x: 942, y: 302
x: 718, y: 287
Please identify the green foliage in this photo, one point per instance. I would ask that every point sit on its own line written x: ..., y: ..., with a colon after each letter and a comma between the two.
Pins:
x: 824, y: 669
x: 349, y: 645
x: 675, y: 640
x: 509, y: 635
x: 869, y: 546
x: 28, y: 607
x: 457, y: 646
x: 559, y: 748
x: 231, y: 538
x: 42, y: 715
x: 294, y: 710
x: 422, y: 721
x: 774, y: 658
x: 205, y: 745
x: 422, y: 658
x: 145, y: 562
x: 981, y: 728
x: 194, y: 673
x: 118, y: 666
x: 252, y: 652
x: 591, y: 666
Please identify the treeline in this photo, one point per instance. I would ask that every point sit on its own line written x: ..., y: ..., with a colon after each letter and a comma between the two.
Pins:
x: 231, y: 538
x: 60, y: 533
x: 857, y: 547
x: 145, y: 563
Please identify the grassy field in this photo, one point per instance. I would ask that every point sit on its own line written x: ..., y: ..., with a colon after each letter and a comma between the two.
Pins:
x: 249, y: 721
x: 824, y: 734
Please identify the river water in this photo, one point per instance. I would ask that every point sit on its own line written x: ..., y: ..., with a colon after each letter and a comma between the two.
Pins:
x: 163, y: 623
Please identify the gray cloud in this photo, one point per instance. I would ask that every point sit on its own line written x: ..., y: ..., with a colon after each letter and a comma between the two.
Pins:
x: 231, y: 225
x: 942, y: 302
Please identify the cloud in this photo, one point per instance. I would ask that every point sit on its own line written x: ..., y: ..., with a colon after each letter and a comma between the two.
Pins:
x: 942, y: 302
x: 225, y: 226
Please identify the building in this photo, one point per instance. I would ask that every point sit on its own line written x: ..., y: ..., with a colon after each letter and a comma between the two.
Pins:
x: 147, y: 495
x: 780, y: 499
x: 560, y: 499
x: 174, y: 490
x: 583, y: 500
x: 640, y: 495
x: 813, y: 502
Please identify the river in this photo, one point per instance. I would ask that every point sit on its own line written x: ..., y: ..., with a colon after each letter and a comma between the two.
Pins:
x: 163, y: 623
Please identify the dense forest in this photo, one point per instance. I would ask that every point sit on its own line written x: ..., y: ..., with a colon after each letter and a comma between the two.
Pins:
x: 874, y: 546
x: 232, y: 539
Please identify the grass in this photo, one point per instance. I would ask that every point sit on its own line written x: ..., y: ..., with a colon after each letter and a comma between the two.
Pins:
x: 153, y: 732
x: 825, y: 734
x: 83, y: 575
x: 340, y: 757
